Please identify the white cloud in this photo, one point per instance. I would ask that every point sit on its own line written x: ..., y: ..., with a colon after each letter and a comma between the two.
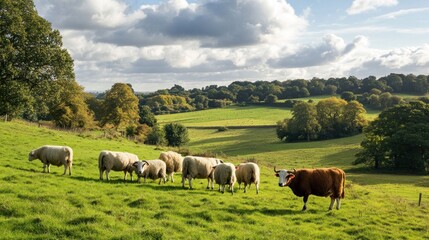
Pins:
x: 402, y: 12
x: 331, y: 49
x: 360, y: 6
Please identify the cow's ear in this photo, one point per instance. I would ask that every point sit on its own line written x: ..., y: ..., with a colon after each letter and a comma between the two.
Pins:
x: 276, y: 174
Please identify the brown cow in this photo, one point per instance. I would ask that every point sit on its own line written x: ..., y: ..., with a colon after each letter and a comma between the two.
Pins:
x: 321, y: 182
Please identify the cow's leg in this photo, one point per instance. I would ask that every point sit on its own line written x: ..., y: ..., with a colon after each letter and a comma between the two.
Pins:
x: 332, y: 202
x: 338, y: 203
x: 305, y: 199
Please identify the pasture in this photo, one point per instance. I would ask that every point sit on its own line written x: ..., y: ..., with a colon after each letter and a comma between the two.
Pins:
x: 235, y: 115
x: 37, y: 205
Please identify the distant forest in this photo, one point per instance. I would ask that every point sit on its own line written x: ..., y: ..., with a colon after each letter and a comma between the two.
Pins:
x: 371, y: 92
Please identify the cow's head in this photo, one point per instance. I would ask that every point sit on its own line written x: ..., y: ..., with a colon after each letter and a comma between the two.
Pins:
x: 285, y: 176
x: 140, y: 166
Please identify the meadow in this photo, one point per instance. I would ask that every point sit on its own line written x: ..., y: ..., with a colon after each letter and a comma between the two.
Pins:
x: 37, y: 205
x: 236, y: 116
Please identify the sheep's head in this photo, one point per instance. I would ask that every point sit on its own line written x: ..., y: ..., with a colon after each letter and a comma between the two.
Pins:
x: 31, y: 156
x: 140, y: 166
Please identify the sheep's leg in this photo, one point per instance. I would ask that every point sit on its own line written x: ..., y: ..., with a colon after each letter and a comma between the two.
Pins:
x: 245, y: 186
x: 70, y: 168
x: 125, y: 175
x: 257, y: 188
x: 190, y: 182
x: 101, y: 174
x: 160, y: 179
x: 44, y: 167
x: 232, y: 189
x: 183, y: 180
x: 172, y: 177
x: 49, y: 168
x: 144, y: 179
x: 107, y: 175
x: 65, y: 168
x: 208, y: 183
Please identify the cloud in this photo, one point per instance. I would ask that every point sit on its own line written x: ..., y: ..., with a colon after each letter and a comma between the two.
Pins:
x: 401, y: 60
x: 331, y: 49
x: 360, y: 6
x: 402, y: 12
x: 213, y: 23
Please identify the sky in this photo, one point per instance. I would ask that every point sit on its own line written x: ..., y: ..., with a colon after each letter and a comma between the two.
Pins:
x: 155, y: 44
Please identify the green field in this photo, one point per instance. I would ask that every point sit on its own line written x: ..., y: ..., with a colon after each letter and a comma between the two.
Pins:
x: 37, y: 205
x: 235, y: 116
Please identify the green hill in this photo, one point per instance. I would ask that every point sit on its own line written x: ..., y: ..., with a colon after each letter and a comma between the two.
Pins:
x: 37, y: 205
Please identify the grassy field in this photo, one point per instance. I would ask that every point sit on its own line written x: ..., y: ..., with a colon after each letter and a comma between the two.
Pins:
x: 37, y: 205
x: 235, y: 116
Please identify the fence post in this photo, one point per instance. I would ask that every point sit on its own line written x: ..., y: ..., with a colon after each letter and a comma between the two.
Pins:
x: 420, y: 199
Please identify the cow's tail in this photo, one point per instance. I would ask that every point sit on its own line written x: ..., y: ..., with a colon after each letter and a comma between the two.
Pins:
x: 344, y: 185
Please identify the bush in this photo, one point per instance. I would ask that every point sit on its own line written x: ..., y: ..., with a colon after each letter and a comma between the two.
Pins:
x: 176, y: 134
x: 271, y: 98
x: 222, y: 129
x: 156, y: 136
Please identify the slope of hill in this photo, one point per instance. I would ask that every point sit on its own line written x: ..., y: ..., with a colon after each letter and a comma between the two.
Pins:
x: 51, y: 206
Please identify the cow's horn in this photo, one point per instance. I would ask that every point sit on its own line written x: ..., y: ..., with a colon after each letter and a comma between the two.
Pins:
x: 275, y: 170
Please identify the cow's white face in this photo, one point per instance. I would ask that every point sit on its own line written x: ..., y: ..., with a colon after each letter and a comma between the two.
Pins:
x: 140, y: 166
x: 284, y: 177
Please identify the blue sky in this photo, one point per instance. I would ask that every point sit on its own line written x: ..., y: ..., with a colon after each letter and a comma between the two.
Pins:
x: 156, y: 44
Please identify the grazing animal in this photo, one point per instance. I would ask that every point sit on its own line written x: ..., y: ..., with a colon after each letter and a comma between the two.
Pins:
x: 199, y: 167
x: 53, y: 155
x: 174, y: 161
x: 224, y: 174
x: 248, y: 173
x: 116, y: 161
x: 321, y: 182
x: 152, y: 169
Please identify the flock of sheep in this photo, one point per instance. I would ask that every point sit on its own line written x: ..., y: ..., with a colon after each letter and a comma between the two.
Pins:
x: 213, y: 169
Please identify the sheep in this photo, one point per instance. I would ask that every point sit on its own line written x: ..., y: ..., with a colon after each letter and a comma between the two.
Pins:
x: 224, y: 174
x: 152, y: 169
x: 173, y: 161
x: 55, y: 155
x: 248, y: 173
x: 116, y: 161
x: 199, y: 167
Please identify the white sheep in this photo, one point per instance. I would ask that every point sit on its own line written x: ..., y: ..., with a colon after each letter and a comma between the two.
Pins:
x: 199, y: 167
x: 173, y: 161
x: 152, y: 169
x: 53, y: 155
x: 224, y: 174
x: 116, y: 161
x: 248, y: 173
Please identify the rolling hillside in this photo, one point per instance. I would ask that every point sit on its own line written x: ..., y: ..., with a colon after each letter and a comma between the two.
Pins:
x: 50, y: 206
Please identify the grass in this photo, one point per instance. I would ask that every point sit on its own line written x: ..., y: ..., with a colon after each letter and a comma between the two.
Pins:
x: 234, y: 115
x: 37, y: 205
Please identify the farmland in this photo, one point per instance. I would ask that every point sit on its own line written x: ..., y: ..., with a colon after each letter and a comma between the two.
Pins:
x: 35, y: 205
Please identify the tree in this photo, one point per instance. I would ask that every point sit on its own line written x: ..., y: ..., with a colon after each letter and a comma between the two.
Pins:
x: 398, y: 138
x: 32, y: 60
x: 176, y: 134
x: 303, y: 125
x: 271, y: 98
x: 156, y: 136
x: 120, y: 107
x: 146, y: 116
x: 71, y: 110
x: 348, y: 96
